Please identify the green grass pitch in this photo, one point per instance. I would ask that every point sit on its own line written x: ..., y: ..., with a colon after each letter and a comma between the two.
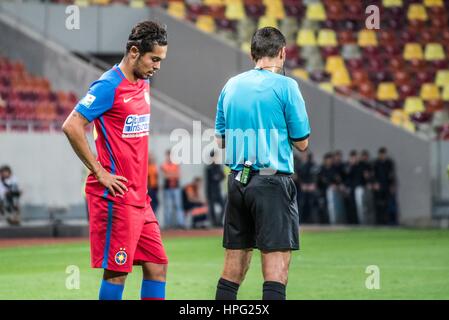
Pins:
x: 413, y: 264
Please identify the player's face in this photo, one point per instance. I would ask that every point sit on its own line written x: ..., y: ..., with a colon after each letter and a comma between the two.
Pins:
x: 146, y: 65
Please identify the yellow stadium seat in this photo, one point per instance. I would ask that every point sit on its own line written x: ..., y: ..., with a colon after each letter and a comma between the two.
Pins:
x: 327, y: 37
x: 367, y: 38
x: 433, y: 3
x: 205, y: 23
x: 266, y: 21
x: 409, y: 126
x: 177, y: 9
x: 392, y: 3
x: 434, y: 51
x: 398, y: 117
x: 306, y: 38
x: 413, y: 51
x: 137, y: 4
x: 442, y: 78
x: 340, y: 77
x: 213, y: 2
x: 387, y: 91
x: 82, y: 3
x: 101, y: 2
x: 235, y: 11
x: 413, y: 105
x: 315, y: 11
x: 416, y: 12
x: 274, y: 9
x: 334, y: 63
x: 429, y: 91
x: 327, y: 86
x: 300, y: 73
x: 445, y: 94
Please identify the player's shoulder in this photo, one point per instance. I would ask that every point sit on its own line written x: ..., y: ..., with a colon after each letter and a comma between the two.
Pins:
x: 111, y: 78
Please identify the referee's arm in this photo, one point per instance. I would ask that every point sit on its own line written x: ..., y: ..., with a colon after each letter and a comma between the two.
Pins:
x: 301, y: 145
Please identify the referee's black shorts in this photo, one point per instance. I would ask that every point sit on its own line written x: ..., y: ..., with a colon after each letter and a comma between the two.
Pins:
x: 262, y: 214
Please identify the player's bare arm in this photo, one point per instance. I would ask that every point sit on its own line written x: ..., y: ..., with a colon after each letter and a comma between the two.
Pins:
x: 74, y: 129
x: 301, y: 145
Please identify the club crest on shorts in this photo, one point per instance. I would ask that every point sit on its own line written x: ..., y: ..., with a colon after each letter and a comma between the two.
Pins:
x: 120, y: 257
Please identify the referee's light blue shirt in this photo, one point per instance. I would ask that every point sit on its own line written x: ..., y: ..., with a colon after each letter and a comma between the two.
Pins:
x: 260, y: 113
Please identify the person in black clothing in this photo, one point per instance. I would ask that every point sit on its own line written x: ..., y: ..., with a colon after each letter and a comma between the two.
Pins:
x: 339, y: 167
x: 384, y: 174
x: 353, y: 178
x: 214, y: 177
x: 307, y: 178
x: 326, y: 179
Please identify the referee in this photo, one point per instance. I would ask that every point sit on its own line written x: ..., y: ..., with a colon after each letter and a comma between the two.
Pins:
x: 261, y: 115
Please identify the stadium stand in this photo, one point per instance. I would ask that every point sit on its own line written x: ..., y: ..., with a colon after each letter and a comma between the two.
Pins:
x: 403, y: 68
x: 29, y: 100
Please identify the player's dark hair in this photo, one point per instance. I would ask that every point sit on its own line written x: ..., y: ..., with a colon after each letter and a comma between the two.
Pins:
x: 382, y: 150
x: 353, y: 153
x: 266, y: 42
x: 145, y: 35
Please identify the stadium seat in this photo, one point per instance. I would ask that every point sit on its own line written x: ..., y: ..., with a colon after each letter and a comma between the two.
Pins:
x: 340, y: 78
x: 235, y: 11
x: 429, y: 91
x: 334, y: 63
x: 306, y: 38
x: 274, y: 9
x: 445, y: 93
x: 138, y: 4
x: 416, y: 12
x: 267, y: 21
x: 314, y: 63
x: 434, y: 51
x: 327, y: 86
x: 367, y: 38
x: 315, y: 12
x: 387, y: 91
x: 327, y: 37
x: 213, y: 2
x: 300, y: 73
x: 392, y: 3
x: 206, y: 23
x: 442, y: 78
x: 433, y: 3
x: 413, y: 51
x: 413, y: 105
x: 81, y: 3
x: 398, y: 117
x: 177, y: 9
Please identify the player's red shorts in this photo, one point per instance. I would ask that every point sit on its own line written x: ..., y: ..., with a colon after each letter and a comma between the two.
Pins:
x: 122, y: 235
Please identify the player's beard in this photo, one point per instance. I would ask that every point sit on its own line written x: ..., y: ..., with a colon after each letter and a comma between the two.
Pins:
x: 137, y: 71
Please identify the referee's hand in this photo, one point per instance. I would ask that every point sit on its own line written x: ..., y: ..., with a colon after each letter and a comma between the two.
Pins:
x: 112, y: 182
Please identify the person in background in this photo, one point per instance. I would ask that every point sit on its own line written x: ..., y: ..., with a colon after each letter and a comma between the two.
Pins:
x: 353, y: 178
x: 327, y: 185
x: 214, y: 177
x: 307, y: 177
x: 364, y: 193
x: 195, y: 207
x: 385, y: 188
x: 153, y: 185
x: 172, y: 194
x: 10, y: 194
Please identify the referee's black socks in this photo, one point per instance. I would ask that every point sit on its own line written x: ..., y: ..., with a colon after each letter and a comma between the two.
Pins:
x: 273, y: 290
x: 226, y: 290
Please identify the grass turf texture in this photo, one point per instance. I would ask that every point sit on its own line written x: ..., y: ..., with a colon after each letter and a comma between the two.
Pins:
x: 414, y: 264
